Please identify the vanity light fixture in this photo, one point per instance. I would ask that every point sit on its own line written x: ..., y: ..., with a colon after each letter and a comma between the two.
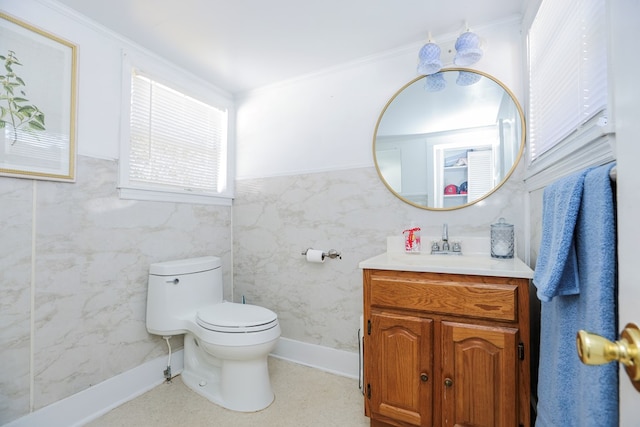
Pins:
x: 468, y: 52
x: 429, y: 58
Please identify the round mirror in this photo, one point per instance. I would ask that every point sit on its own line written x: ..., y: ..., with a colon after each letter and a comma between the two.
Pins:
x: 448, y: 140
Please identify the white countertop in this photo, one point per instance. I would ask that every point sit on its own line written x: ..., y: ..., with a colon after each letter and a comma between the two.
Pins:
x: 475, y: 263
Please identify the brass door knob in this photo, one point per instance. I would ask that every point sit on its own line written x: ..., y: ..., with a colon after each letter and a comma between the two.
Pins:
x: 424, y: 377
x: 448, y: 382
x: 596, y: 350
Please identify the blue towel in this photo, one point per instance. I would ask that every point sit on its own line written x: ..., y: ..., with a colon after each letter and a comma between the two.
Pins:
x: 569, y: 392
x: 557, y: 268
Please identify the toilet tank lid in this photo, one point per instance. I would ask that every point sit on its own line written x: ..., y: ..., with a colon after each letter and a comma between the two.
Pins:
x: 185, y: 266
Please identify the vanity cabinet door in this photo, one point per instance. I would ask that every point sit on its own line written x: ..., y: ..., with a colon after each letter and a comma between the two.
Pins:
x: 400, y: 374
x: 479, y: 375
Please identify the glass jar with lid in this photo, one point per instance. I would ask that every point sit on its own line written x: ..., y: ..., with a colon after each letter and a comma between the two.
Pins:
x: 502, y: 239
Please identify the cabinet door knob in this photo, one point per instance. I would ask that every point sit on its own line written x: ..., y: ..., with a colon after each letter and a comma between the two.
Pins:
x: 424, y: 377
x: 448, y: 382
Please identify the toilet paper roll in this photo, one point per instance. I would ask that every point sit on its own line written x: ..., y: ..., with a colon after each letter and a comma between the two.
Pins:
x: 315, y: 255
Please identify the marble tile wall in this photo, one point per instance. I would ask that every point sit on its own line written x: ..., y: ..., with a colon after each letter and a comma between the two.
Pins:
x: 276, y: 218
x: 16, y: 201
x: 91, y: 253
x: 91, y: 257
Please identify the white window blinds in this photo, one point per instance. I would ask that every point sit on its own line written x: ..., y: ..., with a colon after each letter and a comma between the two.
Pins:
x: 567, y: 70
x: 176, y: 143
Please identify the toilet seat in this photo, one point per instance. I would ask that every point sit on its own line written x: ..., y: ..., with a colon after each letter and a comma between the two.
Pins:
x: 231, y: 317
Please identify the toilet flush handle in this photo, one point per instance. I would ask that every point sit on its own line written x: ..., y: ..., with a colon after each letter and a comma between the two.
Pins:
x: 175, y: 281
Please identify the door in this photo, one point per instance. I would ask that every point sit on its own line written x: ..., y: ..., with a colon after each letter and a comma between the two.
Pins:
x: 625, y: 34
x: 479, y: 375
x: 401, y: 363
x: 481, y: 173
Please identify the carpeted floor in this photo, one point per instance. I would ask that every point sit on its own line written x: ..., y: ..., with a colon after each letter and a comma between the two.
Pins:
x: 305, y: 397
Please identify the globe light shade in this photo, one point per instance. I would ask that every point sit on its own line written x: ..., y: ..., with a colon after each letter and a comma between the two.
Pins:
x: 468, y: 50
x: 429, y: 59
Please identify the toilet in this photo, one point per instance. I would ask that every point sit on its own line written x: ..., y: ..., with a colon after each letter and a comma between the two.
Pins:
x: 225, y: 344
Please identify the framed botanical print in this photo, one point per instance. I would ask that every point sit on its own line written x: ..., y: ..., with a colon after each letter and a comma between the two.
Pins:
x: 37, y: 103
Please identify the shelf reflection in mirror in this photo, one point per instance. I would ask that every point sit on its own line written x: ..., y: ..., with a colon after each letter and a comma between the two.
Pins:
x: 450, y: 148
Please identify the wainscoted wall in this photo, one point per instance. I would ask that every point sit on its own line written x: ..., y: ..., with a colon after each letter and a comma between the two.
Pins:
x: 275, y: 219
x: 74, y: 257
x: 74, y: 260
x: 306, y: 177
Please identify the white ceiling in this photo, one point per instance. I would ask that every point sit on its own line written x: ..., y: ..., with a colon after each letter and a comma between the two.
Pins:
x: 245, y: 44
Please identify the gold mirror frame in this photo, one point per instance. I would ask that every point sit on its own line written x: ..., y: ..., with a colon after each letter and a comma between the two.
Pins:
x: 506, y: 176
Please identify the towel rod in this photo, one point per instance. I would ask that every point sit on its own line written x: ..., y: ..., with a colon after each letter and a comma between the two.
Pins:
x: 613, y: 174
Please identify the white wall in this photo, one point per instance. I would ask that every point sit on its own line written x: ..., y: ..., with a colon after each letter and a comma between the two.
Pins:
x: 98, y: 61
x: 326, y: 121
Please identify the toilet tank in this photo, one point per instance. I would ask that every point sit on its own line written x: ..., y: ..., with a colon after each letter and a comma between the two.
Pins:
x: 177, y: 289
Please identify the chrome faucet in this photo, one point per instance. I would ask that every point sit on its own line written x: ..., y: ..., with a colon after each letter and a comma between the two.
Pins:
x: 446, y: 248
x: 445, y: 237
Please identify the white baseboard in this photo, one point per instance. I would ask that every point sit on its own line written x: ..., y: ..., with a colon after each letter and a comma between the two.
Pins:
x: 89, y: 404
x: 339, y: 362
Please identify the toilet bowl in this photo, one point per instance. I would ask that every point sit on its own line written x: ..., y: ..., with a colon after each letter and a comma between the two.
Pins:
x: 225, y: 345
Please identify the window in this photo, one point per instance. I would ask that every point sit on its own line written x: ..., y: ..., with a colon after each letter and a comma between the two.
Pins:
x: 175, y: 146
x: 568, y: 97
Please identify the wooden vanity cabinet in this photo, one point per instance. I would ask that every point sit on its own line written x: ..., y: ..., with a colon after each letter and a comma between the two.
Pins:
x: 446, y: 350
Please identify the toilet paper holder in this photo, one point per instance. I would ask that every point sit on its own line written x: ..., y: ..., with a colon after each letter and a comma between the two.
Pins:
x: 331, y: 254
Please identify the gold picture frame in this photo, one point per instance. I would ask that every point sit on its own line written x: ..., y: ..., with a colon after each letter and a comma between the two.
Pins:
x: 37, y: 103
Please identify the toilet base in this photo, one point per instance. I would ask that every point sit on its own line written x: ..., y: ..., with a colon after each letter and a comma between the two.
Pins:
x: 238, y: 385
